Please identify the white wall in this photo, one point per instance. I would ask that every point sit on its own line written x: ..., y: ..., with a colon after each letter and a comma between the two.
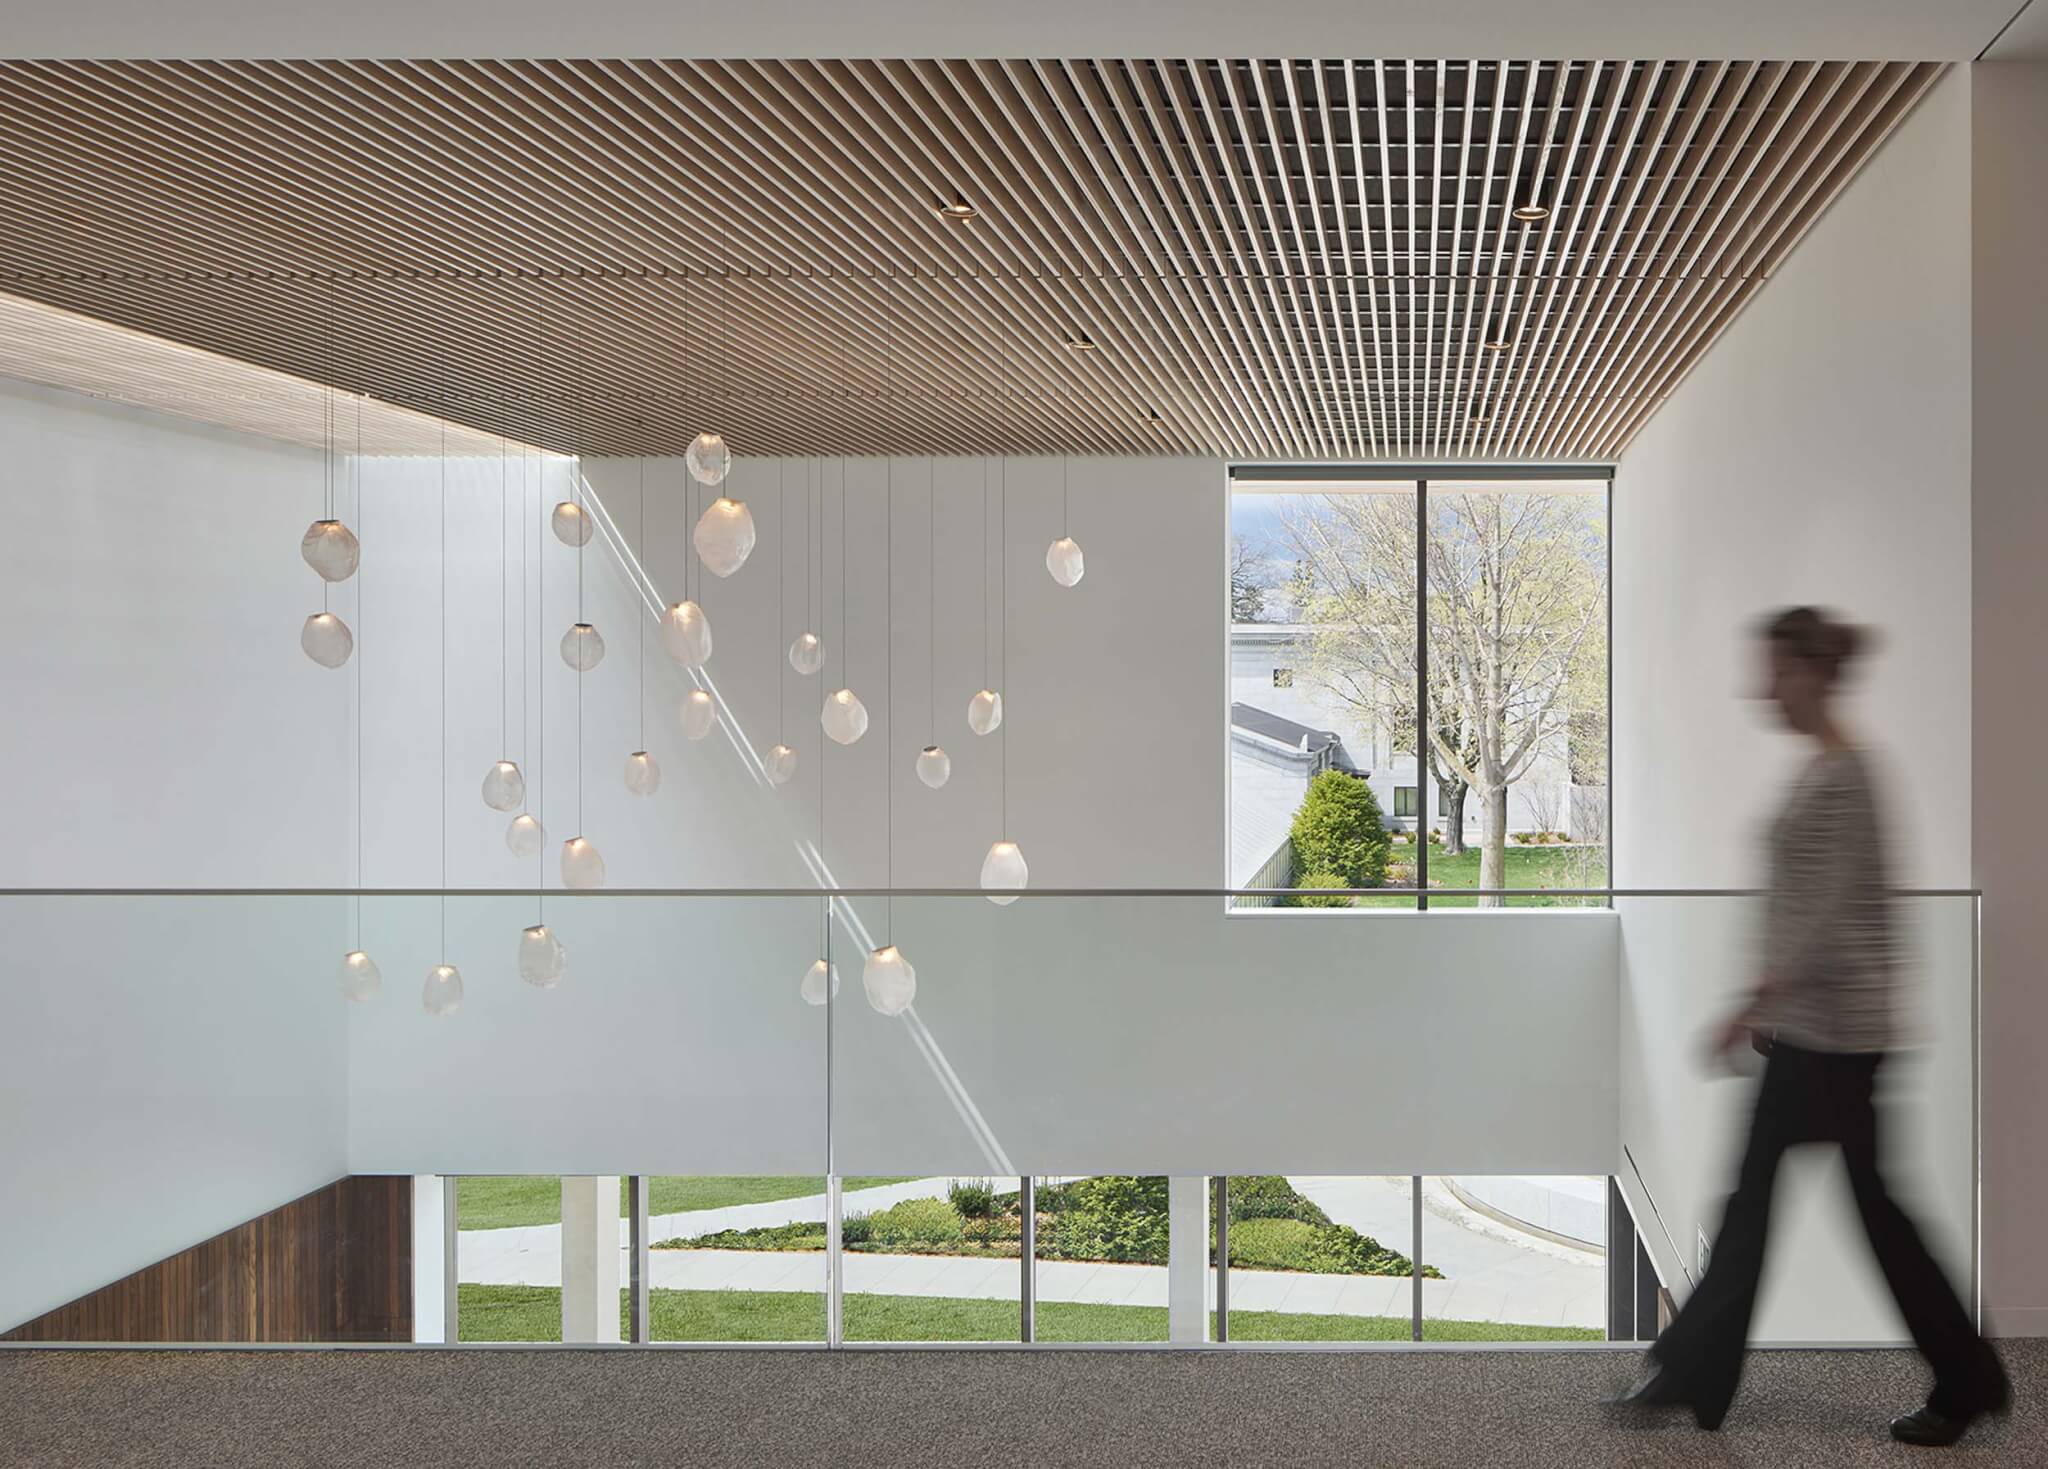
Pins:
x: 168, y: 1068
x: 2010, y: 324
x: 678, y: 1042
x: 1820, y: 453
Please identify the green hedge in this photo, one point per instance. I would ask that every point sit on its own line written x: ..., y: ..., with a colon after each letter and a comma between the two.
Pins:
x: 1119, y: 1217
x: 1338, y: 830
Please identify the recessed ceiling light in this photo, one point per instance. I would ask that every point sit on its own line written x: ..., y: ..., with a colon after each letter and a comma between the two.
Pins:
x: 959, y: 211
x: 1079, y: 342
x: 1532, y: 212
x: 1493, y: 345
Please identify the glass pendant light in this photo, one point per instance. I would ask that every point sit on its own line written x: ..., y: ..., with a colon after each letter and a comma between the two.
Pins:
x: 582, y: 648
x: 326, y: 640
x: 821, y: 981
x: 807, y: 652
x: 330, y: 548
x: 1003, y: 870
x: 686, y: 635
x: 443, y: 992
x: 779, y: 764
x: 582, y: 867
x: 525, y: 836
x: 360, y: 977
x: 1063, y: 556
x: 542, y: 959
x: 571, y: 524
x: 700, y: 714
x: 844, y: 717
x: 724, y: 537
x: 934, y: 765
x: 708, y: 459
x: 890, y: 982
x: 643, y: 775
x: 1063, y: 560
x: 985, y: 709
x: 504, y: 787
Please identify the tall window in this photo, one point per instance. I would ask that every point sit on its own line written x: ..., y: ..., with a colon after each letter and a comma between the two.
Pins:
x: 1452, y: 634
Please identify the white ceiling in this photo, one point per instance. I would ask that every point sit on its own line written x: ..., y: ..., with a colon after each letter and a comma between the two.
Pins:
x: 2026, y: 39
x: 1869, y: 30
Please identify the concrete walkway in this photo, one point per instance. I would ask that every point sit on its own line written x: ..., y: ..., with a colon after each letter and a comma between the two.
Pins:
x: 518, y: 1255
x: 1488, y: 1278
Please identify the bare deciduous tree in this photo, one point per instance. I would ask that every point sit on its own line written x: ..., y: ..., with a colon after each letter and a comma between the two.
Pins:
x: 1516, y: 587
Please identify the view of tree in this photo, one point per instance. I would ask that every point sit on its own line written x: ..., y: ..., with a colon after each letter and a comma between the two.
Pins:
x: 1247, y: 582
x: 1516, y: 632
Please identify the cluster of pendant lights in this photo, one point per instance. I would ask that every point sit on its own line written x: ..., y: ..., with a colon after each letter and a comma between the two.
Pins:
x: 724, y: 538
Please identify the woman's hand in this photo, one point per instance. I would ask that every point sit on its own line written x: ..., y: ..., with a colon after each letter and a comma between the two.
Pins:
x: 1732, y: 1034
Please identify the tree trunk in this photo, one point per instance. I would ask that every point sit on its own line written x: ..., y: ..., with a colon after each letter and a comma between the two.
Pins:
x: 1454, y: 822
x: 1493, y: 845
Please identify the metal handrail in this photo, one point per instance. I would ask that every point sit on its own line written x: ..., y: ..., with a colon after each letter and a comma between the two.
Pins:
x: 553, y: 894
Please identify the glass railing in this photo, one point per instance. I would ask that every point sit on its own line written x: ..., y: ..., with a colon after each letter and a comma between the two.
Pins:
x: 868, y: 1117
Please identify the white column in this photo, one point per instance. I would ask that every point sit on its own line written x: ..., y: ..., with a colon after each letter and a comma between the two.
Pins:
x: 1187, y: 1259
x: 590, y: 1258
x: 431, y: 1286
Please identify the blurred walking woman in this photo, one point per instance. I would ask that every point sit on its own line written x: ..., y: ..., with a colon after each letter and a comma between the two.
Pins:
x: 1824, y: 1013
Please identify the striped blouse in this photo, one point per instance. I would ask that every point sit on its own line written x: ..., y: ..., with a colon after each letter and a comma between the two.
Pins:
x: 1828, y: 942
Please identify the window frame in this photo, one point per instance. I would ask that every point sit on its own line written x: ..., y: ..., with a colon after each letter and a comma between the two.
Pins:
x: 1295, y: 477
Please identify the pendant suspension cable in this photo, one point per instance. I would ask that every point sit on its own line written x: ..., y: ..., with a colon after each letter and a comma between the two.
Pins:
x: 1003, y: 581
x: 931, y: 598
x: 504, y: 611
x: 985, y: 578
x: 889, y: 698
x: 540, y: 673
x: 639, y: 622
x: 444, y: 690
x: 356, y: 488
x: 781, y: 567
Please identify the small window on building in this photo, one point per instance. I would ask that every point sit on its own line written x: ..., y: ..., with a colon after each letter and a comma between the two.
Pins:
x: 1404, y: 802
x: 1283, y: 678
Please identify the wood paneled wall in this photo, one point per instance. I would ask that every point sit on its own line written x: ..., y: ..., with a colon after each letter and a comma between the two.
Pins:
x: 335, y: 1265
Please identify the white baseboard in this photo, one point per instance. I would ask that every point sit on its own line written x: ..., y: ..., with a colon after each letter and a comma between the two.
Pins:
x: 2016, y: 1320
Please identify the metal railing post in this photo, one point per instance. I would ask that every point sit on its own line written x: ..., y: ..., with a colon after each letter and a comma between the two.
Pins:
x: 1415, y: 1262
x: 1027, y: 1253
x: 451, y: 1300
x: 1222, y: 1208
x: 639, y: 1320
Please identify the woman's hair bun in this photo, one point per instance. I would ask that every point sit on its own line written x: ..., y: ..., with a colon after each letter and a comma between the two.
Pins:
x: 1814, y: 636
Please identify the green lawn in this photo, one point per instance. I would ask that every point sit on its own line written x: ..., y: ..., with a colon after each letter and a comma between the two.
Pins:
x: 534, y: 1313
x: 502, y: 1201
x: 1527, y: 867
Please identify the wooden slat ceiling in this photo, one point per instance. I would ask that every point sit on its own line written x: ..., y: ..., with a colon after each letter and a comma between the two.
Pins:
x: 1272, y: 259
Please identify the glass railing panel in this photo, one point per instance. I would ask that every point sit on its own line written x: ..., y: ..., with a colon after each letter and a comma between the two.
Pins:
x: 1686, y: 961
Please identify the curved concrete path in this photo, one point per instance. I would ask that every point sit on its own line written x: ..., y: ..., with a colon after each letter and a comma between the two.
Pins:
x: 1488, y: 1278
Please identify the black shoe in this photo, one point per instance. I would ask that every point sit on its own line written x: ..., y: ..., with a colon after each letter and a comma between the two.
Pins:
x: 1656, y: 1388
x: 1930, y: 1428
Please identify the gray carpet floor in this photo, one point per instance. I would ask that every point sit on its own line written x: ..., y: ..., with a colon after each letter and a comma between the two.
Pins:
x: 907, y: 1410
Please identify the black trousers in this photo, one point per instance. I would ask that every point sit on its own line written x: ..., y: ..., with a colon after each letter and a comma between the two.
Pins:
x: 1820, y: 1097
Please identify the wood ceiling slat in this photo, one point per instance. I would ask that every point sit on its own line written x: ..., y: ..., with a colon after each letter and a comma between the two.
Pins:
x: 1275, y: 259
